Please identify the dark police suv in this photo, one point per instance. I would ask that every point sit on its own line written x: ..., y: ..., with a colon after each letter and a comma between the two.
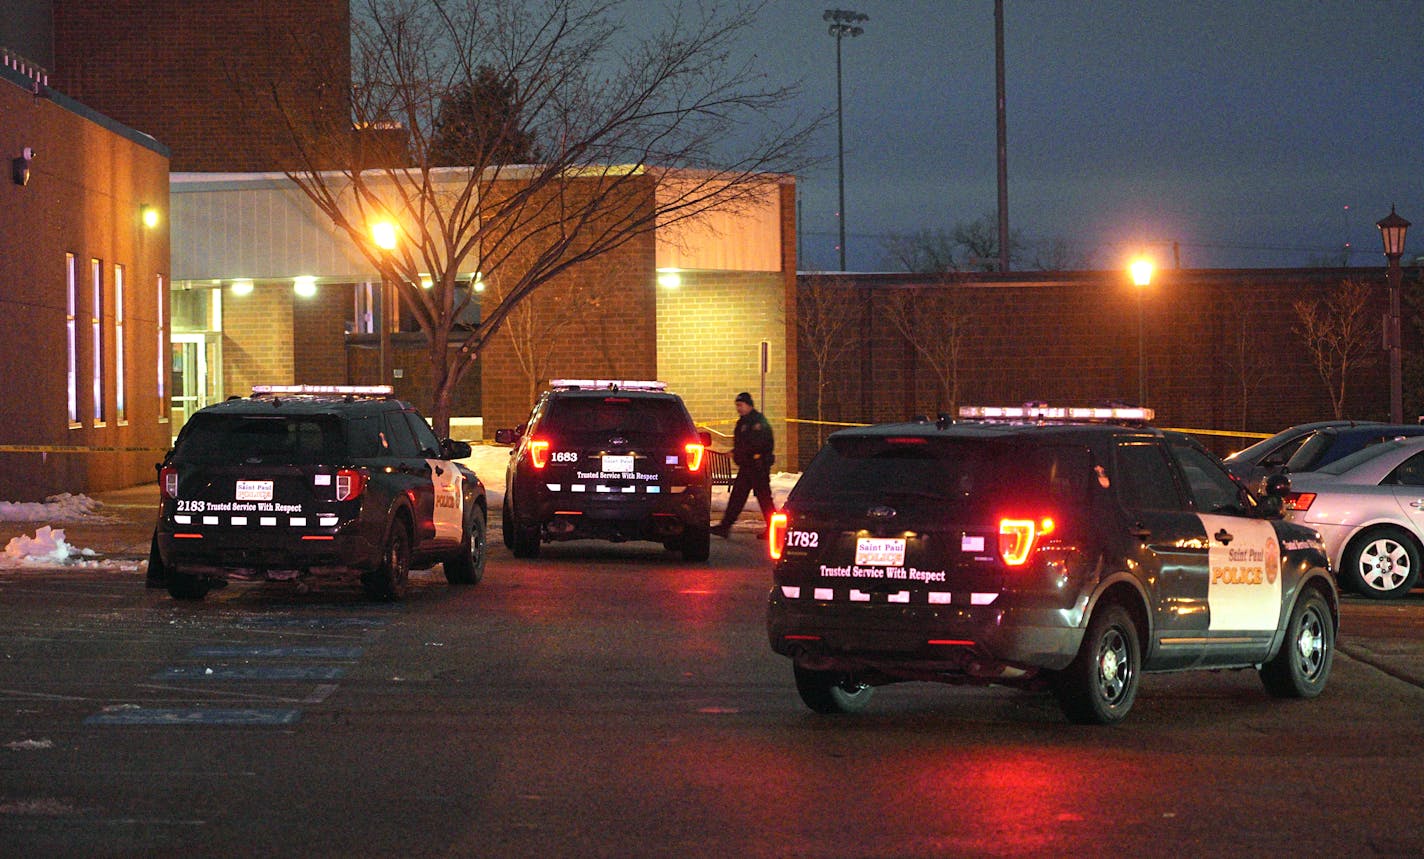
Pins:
x: 612, y: 460
x: 1060, y: 546
x: 303, y: 480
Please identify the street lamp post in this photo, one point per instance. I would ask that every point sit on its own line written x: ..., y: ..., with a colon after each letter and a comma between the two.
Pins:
x: 384, y: 236
x: 1141, y: 271
x: 842, y: 23
x: 1392, y: 229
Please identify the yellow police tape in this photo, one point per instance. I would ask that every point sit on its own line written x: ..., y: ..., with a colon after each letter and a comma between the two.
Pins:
x: 75, y: 448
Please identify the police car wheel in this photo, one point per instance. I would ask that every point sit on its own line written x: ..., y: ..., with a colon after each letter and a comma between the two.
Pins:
x: 1382, y: 563
x: 526, y: 540
x: 388, y: 581
x: 1100, y: 684
x: 156, y: 575
x: 1302, y: 666
x: 186, y: 586
x: 831, y: 692
x: 506, y: 525
x: 696, y: 544
x: 467, y: 566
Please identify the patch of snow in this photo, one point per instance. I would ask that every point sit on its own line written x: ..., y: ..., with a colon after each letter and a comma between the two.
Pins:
x: 27, y: 745
x: 63, y: 507
x: 48, y: 548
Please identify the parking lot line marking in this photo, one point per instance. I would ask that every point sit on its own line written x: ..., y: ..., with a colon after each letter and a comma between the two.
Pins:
x: 251, y: 672
x: 315, y: 622
x: 257, y: 652
x: 196, y: 716
x: 319, y: 694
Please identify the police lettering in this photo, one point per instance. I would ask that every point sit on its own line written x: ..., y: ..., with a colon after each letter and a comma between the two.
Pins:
x: 1234, y: 575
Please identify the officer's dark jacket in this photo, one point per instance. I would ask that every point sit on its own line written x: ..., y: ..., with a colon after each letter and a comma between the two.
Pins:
x: 752, y: 440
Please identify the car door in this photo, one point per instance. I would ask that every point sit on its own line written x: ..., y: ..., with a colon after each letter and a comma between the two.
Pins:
x: 1242, y: 575
x: 411, y: 474
x: 447, y: 484
x: 1167, y: 545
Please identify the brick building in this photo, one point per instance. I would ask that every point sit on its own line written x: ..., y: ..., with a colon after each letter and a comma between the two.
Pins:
x: 83, y: 281
x: 1222, y: 350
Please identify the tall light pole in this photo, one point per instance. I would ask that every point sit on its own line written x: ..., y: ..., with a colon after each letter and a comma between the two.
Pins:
x: 842, y: 23
x: 384, y: 235
x: 1392, y: 229
x: 1141, y: 271
x: 1003, y: 135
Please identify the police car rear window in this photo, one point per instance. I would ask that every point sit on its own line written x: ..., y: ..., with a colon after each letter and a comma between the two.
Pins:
x: 947, y: 470
x: 576, y: 417
x: 273, y: 439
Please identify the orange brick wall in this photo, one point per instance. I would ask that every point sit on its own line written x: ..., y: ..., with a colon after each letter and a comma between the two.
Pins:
x: 169, y: 67
x: 87, y: 185
x: 257, y: 339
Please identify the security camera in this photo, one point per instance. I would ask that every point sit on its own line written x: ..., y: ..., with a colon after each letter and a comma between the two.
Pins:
x: 20, y: 167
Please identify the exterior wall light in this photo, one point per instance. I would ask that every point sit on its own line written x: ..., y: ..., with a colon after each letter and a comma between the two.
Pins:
x: 669, y: 278
x: 305, y: 286
x: 241, y: 287
x: 148, y: 215
x: 478, y: 281
x: 20, y: 167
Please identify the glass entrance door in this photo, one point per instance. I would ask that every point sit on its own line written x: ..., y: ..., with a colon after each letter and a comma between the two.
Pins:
x: 197, y: 374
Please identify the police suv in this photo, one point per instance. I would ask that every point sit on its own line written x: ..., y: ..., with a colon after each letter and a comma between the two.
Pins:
x: 304, y: 480
x: 1075, y: 548
x: 608, y: 459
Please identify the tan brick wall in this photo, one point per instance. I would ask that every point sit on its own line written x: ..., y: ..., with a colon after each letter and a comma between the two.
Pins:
x: 709, y: 333
x: 319, y: 325
x: 257, y: 338
x: 86, y: 188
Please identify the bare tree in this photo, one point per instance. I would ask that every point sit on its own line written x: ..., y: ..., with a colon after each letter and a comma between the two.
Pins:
x: 935, y: 320
x: 635, y: 133
x: 1244, y: 355
x: 926, y: 251
x: 826, y: 316
x: 1340, y: 336
x: 534, y: 327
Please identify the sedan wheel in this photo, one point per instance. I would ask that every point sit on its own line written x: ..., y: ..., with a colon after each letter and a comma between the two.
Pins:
x: 1382, y: 564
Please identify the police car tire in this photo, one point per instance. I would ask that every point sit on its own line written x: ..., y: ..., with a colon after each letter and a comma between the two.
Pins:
x: 696, y: 543
x: 1301, y: 667
x: 506, y: 526
x: 186, y: 586
x: 467, y: 566
x: 1378, y: 538
x: 526, y: 540
x: 388, y: 581
x: 1089, y: 696
x: 156, y: 574
x: 831, y: 692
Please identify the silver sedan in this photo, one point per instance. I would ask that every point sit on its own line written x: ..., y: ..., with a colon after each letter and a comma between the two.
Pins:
x: 1369, y: 508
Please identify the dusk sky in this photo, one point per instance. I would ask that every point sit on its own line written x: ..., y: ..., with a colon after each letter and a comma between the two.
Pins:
x: 1240, y: 130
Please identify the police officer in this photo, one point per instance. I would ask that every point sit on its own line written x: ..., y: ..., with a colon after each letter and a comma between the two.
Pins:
x: 751, y: 451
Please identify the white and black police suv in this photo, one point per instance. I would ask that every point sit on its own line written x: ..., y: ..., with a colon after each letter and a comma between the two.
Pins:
x: 611, y: 460
x: 1075, y: 548
x: 311, y: 480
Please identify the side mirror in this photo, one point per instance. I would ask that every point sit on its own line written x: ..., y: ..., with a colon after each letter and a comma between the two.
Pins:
x: 705, y: 437
x: 455, y: 449
x: 1273, y: 503
x: 506, y: 436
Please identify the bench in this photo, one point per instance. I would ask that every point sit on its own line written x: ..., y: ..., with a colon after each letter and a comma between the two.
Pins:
x: 720, y: 464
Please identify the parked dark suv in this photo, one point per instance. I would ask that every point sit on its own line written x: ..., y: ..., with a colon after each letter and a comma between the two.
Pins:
x: 611, y: 460
x: 306, y: 480
x: 1045, y: 549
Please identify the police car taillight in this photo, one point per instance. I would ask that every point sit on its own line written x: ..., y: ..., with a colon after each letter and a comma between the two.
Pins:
x: 695, y: 452
x: 168, y: 481
x: 776, y: 534
x: 539, y: 452
x: 1017, y: 538
x: 1299, y: 501
x: 350, y: 483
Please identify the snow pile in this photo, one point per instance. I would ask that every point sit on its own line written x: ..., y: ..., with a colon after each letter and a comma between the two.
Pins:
x: 56, y: 508
x: 48, y: 548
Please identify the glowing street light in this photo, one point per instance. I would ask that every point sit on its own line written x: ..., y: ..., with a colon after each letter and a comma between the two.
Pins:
x: 1141, y: 270
x: 1392, y: 229
x: 383, y: 235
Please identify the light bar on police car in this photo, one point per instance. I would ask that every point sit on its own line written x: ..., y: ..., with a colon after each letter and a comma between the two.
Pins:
x: 358, y: 390
x: 1056, y: 413
x: 607, y: 385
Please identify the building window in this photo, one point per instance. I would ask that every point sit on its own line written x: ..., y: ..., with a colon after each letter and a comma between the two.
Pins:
x: 71, y: 334
x: 121, y: 410
x: 96, y: 306
x: 161, y: 349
